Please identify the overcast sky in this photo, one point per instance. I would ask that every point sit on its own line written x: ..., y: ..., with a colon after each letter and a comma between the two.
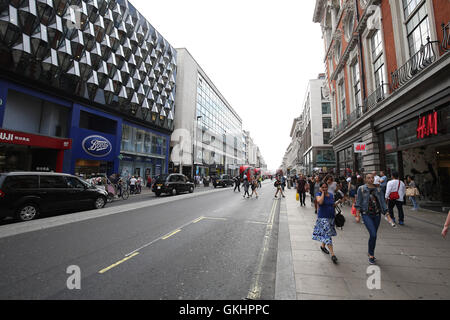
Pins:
x: 260, y: 55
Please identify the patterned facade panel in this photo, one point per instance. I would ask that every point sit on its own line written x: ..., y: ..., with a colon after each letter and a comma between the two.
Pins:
x: 100, y: 50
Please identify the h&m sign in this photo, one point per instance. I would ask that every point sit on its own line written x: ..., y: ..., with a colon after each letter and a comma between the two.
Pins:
x: 359, y: 147
x: 428, y: 125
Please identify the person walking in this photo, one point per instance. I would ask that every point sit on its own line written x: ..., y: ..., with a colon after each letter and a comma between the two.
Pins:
x: 133, y: 182
x: 283, y: 182
x: 237, y: 184
x: 383, y: 182
x: 412, y: 189
x: 395, y: 194
x: 446, y: 225
x: 254, y: 187
x: 332, y: 185
x: 278, y: 185
x: 301, y: 189
x: 370, y: 205
x: 310, y: 182
x: 149, y: 181
x: 325, y: 229
x: 315, y: 191
x: 246, y: 186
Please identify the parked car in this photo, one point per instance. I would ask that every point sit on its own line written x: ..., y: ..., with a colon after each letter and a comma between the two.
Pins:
x: 174, y: 183
x: 25, y: 195
x: 223, y: 181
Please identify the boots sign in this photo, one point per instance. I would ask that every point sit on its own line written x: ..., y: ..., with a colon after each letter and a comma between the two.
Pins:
x: 97, y: 146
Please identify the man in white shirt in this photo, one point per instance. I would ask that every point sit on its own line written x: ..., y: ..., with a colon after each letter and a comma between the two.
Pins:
x: 133, y: 181
x: 376, y: 178
x: 396, y: 185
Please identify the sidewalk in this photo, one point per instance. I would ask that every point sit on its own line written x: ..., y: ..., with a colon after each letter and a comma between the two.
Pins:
x: 414, y: 259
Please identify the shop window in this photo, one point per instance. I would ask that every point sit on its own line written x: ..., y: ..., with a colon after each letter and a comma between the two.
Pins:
x: 391, y: 163
x: 21, y: 182
x: 407, y: 133
x: 53, y: 182
x: 93, y: 122
x: 390, y: 140
x: 348, y: 153
x: 127, y: 138
x: 30, y: 114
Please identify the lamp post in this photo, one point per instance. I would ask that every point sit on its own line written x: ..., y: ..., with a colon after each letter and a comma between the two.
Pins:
x: 194, y: 153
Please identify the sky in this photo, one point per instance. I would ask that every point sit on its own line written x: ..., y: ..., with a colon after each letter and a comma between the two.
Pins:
x: 259, y: 54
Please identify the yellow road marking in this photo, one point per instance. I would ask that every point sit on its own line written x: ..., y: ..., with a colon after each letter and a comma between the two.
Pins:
x: 255, y: 289
x: 170, y: 234
x: 198, y: 220
x: 117, y: 263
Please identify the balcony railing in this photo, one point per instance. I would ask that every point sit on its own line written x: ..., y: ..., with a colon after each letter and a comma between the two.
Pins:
x: 425, y: 57
x: 375, y: 97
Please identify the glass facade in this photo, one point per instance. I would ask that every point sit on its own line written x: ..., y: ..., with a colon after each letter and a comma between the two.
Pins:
x: 219, y: 139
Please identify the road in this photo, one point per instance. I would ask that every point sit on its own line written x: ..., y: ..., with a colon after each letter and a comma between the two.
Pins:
x: 212, y: 245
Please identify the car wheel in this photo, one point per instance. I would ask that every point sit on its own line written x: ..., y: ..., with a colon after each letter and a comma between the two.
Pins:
x: 174, y: 192
x: 99, y: 203
x: 27, y: 212
x: 191, y: 190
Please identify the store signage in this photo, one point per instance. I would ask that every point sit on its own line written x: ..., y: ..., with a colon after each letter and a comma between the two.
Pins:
x: 27, y: 139
x: 97, y: 146
x: 428, y: 125
x: 359, y: 147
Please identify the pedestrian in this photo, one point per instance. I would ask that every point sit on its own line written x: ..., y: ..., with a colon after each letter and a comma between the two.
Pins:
x: 446, y: 225
x: 278, y: 185
x: 301, y: 189
x: 370, y: 205
x: 325, y: 229
x: 395, y: 194
x: 237, y: 184
x: 411, y: 188
x: 311, y: 189
x: 149, y: 181
x: 383, y: 182
x: 283, y: 182
x: 139, y: 183
x: 331, y: 184
x: 246, y: 185
x: 254, y: 187
x: 133, y: 182
x: 260, y: 182
x: 315, y: 191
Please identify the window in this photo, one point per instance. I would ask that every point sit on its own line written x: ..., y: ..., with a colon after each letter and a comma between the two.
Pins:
x: 53, y: 182
x: 326, y: 137
x: 356, y: 84
x: 326, y: 108
x: 417, y: 25
x: 21, y: 182
x: 97, y: 123
x: 342, y: 108
x: 327, y: 123
x: 74, y: 183
x: 390, y: 141
x: 377, y: 59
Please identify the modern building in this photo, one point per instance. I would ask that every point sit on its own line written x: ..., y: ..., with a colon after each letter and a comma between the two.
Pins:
x: 310, y: 151
x: 208, y: 136
x: 84, y: 89
x: 388, y: 72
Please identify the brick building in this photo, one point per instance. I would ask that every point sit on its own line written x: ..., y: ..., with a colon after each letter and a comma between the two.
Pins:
x: 387, y: 67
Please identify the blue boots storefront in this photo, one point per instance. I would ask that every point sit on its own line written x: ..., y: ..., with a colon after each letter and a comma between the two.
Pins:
x: 100, y: 143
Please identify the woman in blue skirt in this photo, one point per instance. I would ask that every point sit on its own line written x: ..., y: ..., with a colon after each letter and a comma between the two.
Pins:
x: 324, y: 229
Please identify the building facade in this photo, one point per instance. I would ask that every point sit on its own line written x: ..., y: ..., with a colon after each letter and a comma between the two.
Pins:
x: 310, y: 150
x: 388, y: 74
x: 208, y: 137
x: 84, y: 89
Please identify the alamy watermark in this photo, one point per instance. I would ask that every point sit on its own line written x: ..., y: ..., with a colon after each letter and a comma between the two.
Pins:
x: 74, y: 280
x: 374, y: 279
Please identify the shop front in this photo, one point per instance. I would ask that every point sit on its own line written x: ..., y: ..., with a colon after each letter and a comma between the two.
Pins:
x: 95, y: 135
x: 420, y: 147
x: 144, y: 152
x: 21, y: 151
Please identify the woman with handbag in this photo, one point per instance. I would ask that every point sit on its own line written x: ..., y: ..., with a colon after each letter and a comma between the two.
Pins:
x: 395, y: 194
x: 412, y: 192
x: 325, y: 225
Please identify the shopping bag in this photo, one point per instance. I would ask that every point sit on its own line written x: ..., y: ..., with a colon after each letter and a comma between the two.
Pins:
x: 353, y: 211
x: 297, y: 197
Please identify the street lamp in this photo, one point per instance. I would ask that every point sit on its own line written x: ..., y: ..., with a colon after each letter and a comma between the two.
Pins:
x: 194, y: 153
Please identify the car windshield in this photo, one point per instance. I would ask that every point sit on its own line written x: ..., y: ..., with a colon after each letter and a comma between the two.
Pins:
x: 162, y: 177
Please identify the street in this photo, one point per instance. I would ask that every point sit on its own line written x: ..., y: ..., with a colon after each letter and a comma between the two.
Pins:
x: 209, y: 246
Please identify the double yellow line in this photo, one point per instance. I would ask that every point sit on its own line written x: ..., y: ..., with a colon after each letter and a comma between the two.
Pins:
x: 256, y: 288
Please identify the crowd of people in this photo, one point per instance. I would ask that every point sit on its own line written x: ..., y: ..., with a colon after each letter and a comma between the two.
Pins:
x: 370, y: 196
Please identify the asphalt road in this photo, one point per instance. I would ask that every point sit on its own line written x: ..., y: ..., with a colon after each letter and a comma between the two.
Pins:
x: 211, y: 246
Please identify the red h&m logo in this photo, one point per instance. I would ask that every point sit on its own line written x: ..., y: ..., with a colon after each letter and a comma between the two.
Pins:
x: 427, y: 125
x: 360, y: 147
